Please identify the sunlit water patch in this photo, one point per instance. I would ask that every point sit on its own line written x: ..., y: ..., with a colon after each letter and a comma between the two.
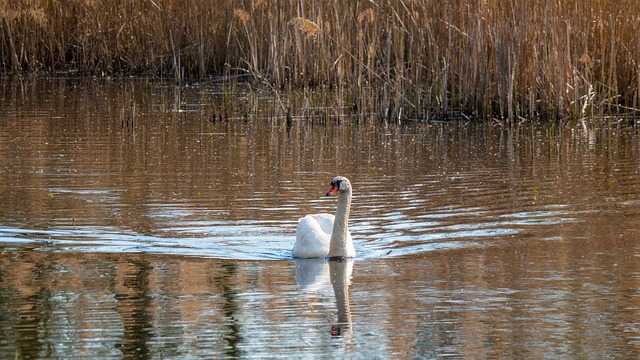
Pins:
x: 225, y: 242
x: 388, y: 235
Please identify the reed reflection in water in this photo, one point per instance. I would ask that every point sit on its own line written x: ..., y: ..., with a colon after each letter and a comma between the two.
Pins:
x: 159, y: 232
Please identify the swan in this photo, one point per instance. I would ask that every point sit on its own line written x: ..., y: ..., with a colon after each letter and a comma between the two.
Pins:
x: 325, y: 235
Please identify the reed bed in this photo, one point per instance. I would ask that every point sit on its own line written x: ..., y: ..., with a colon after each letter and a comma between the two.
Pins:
x: 397, y: 58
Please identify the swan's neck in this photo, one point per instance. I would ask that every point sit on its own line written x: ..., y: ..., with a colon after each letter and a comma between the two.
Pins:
x: 338, y: 244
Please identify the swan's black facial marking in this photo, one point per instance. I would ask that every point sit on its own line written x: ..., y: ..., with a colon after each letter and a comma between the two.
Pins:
x: 335, y: 186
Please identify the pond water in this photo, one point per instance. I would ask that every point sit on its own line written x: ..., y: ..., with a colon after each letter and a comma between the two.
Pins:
x: 147, y: 221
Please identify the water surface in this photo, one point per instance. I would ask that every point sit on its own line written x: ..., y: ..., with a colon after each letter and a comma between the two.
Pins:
x: 147, y: 221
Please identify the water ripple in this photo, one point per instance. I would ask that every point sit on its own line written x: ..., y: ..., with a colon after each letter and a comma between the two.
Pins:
x: 384, y: 235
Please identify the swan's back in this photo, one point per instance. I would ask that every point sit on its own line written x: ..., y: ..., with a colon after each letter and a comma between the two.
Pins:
x: 313, y: 236
x: 325, y: 221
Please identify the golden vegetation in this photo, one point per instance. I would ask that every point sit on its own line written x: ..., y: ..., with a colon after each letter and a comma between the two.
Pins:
x: 404, y: 58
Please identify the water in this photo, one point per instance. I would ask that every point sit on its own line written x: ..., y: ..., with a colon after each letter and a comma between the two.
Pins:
x: 145, y: 221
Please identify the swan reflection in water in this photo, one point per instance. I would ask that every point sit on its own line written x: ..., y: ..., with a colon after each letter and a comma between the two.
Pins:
x: 324, y: 276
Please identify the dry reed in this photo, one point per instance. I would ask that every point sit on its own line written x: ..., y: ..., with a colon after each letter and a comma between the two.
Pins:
x: 401, y: 58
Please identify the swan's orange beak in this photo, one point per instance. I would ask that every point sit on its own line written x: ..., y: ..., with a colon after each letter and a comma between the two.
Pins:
x: 334, y: 187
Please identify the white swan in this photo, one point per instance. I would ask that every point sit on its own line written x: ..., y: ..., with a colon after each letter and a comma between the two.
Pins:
x: 325, y: 235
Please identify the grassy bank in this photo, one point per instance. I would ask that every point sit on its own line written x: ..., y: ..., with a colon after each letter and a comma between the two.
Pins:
x: 400, y: 58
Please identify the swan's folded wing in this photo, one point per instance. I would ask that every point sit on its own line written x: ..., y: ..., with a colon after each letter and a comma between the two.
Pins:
x: 325, y: 221
x: 312, y: 237
x: 326, y: 224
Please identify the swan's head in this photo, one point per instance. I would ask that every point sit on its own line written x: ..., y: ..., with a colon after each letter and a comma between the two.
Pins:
x: 339, y: 184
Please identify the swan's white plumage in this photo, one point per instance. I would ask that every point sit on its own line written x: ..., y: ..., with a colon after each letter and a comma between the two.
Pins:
x: 325, y: 235
x: 313, y: 237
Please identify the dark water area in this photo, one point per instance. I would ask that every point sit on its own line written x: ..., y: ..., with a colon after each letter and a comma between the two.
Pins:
x: 146, y: 221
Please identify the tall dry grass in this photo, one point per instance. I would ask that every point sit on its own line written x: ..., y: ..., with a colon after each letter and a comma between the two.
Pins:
x: 400, y: 58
